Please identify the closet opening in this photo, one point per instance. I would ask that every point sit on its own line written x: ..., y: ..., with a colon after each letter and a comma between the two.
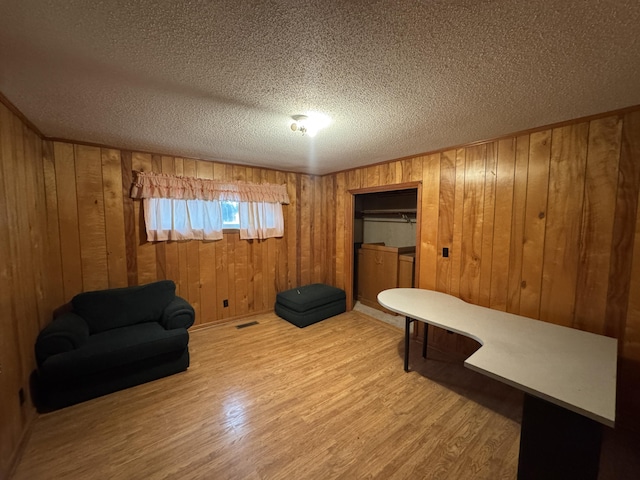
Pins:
x: 385, y: 230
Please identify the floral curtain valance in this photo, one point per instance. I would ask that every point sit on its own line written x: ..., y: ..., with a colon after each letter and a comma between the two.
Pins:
x: 160, y: 185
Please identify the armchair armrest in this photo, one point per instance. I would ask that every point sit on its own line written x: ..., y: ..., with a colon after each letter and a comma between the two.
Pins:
x: 67, y: 332
x: 178, y: 314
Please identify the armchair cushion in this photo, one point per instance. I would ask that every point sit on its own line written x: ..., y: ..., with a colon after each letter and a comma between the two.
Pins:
x: 115, y: 348
x: 67, y: 332
x: 120, y: 307
x: 178, y: 314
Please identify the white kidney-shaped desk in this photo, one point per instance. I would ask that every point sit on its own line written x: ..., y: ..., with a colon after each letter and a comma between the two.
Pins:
x: 568, y: 377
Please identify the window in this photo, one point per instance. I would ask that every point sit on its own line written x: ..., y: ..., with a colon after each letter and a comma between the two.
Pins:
x: 230, y: 218
x: 181, y: 208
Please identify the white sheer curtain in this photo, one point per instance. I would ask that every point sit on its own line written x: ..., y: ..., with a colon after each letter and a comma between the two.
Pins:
x: 175, y: 219
x: 185, y: 208
x: 260, y: 220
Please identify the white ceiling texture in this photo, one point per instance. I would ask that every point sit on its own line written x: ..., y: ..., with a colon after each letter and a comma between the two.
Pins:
x: 220, y: 80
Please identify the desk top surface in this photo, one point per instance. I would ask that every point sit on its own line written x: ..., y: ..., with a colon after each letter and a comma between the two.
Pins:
x: 565, y: 366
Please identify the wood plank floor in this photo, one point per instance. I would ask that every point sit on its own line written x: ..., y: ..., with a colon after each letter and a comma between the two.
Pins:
x: 272, y: 401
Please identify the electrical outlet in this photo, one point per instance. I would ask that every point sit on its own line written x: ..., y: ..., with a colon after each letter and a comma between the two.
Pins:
x: 225, y: 303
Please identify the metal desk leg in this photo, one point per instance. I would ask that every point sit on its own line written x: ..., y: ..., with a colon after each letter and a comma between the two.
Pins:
x: 424, y: 340
x: 407, y: 327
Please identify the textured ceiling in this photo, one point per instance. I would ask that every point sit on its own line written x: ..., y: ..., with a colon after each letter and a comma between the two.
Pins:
x: 220, y: 80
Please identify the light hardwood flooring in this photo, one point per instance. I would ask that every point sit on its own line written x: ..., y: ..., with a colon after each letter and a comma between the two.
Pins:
x: 272, y: 401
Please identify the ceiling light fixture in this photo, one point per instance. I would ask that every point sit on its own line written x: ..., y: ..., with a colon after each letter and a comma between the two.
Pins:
x: 310, y: 123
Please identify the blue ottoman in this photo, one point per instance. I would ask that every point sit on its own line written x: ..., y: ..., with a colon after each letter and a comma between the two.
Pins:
x: 306, y: 305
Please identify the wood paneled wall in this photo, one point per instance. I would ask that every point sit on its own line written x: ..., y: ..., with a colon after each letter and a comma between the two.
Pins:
x: 541, y: 224
x: 544, y: 224
x: 25, y: 285
x: 68, y: 225
x: 103, y: 241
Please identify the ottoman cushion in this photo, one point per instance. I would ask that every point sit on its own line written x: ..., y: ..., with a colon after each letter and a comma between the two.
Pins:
x: 309, y: 304
x: 309, y: 297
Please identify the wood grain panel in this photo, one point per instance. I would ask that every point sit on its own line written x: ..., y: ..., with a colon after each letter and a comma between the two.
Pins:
x: 129, y: 218
x: 445, y: 218
x: 91, y: 218
x: 488, y: 220
x: 589, y: 262
x: 306, y: 194
x: 291, y: 228
x: 456, y: 246
x: 10, y: 354
x: 472, y: 219
x: 625, y: 319
x: 342, y: 196
x: 54, y: 261
x: 281, y: 263
x: 30, y: 270
x: 145, y: 250
x: 598, y: 214
x: 68, y: 219
x: 631, y: 346
x: 623, y: 237
x: 535, y: 222
x: 372, y: 177
x: 518, y: 213
x: 232, y: 243
x: 319, y: 248
x: 160, y: 247
x: 561, y: 250
x: 502, y: 224
x: 207, y: 257
x: 429, y: 217
x: 114, y: 218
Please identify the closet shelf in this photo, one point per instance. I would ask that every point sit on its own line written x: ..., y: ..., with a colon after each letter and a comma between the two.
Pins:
x: 389, y: 211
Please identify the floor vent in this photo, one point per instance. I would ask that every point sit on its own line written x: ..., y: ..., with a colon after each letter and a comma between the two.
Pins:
x: 245, y: 325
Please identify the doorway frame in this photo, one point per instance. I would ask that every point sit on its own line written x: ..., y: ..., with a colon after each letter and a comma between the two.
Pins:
x: 350, y: 207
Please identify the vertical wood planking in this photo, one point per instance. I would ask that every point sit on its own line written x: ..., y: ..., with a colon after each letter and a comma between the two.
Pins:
x: 160, y: 247
x: 446, y: 208
x: 342, y: 196
x: 207, y: 256
x: 535, y: 222
x: 129, y: 213
x: 429, y: 229
x: 473, y: 199
x: 172, y: 262
x: 305, y: 229
x: 518, y: 213
x: 68, y: 218
x: 54, y: 260
x: 182, y: 282
x: 623, y: 315
x: 561, y: 252
x: 631, y: 345
x: 502, y: 224
x: 319, y: 247
x: 114, y: 218
x: 144, y: 250
x: 30, y: 269
x: 192, y: 260
x: 11, y: 356
x: 456, y: 246
x: 488, y: 220
x: 622, y: 248
x: 598, y: 214
x: 281, y: 263
x: 91, y: 218
x: 222, y: 261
